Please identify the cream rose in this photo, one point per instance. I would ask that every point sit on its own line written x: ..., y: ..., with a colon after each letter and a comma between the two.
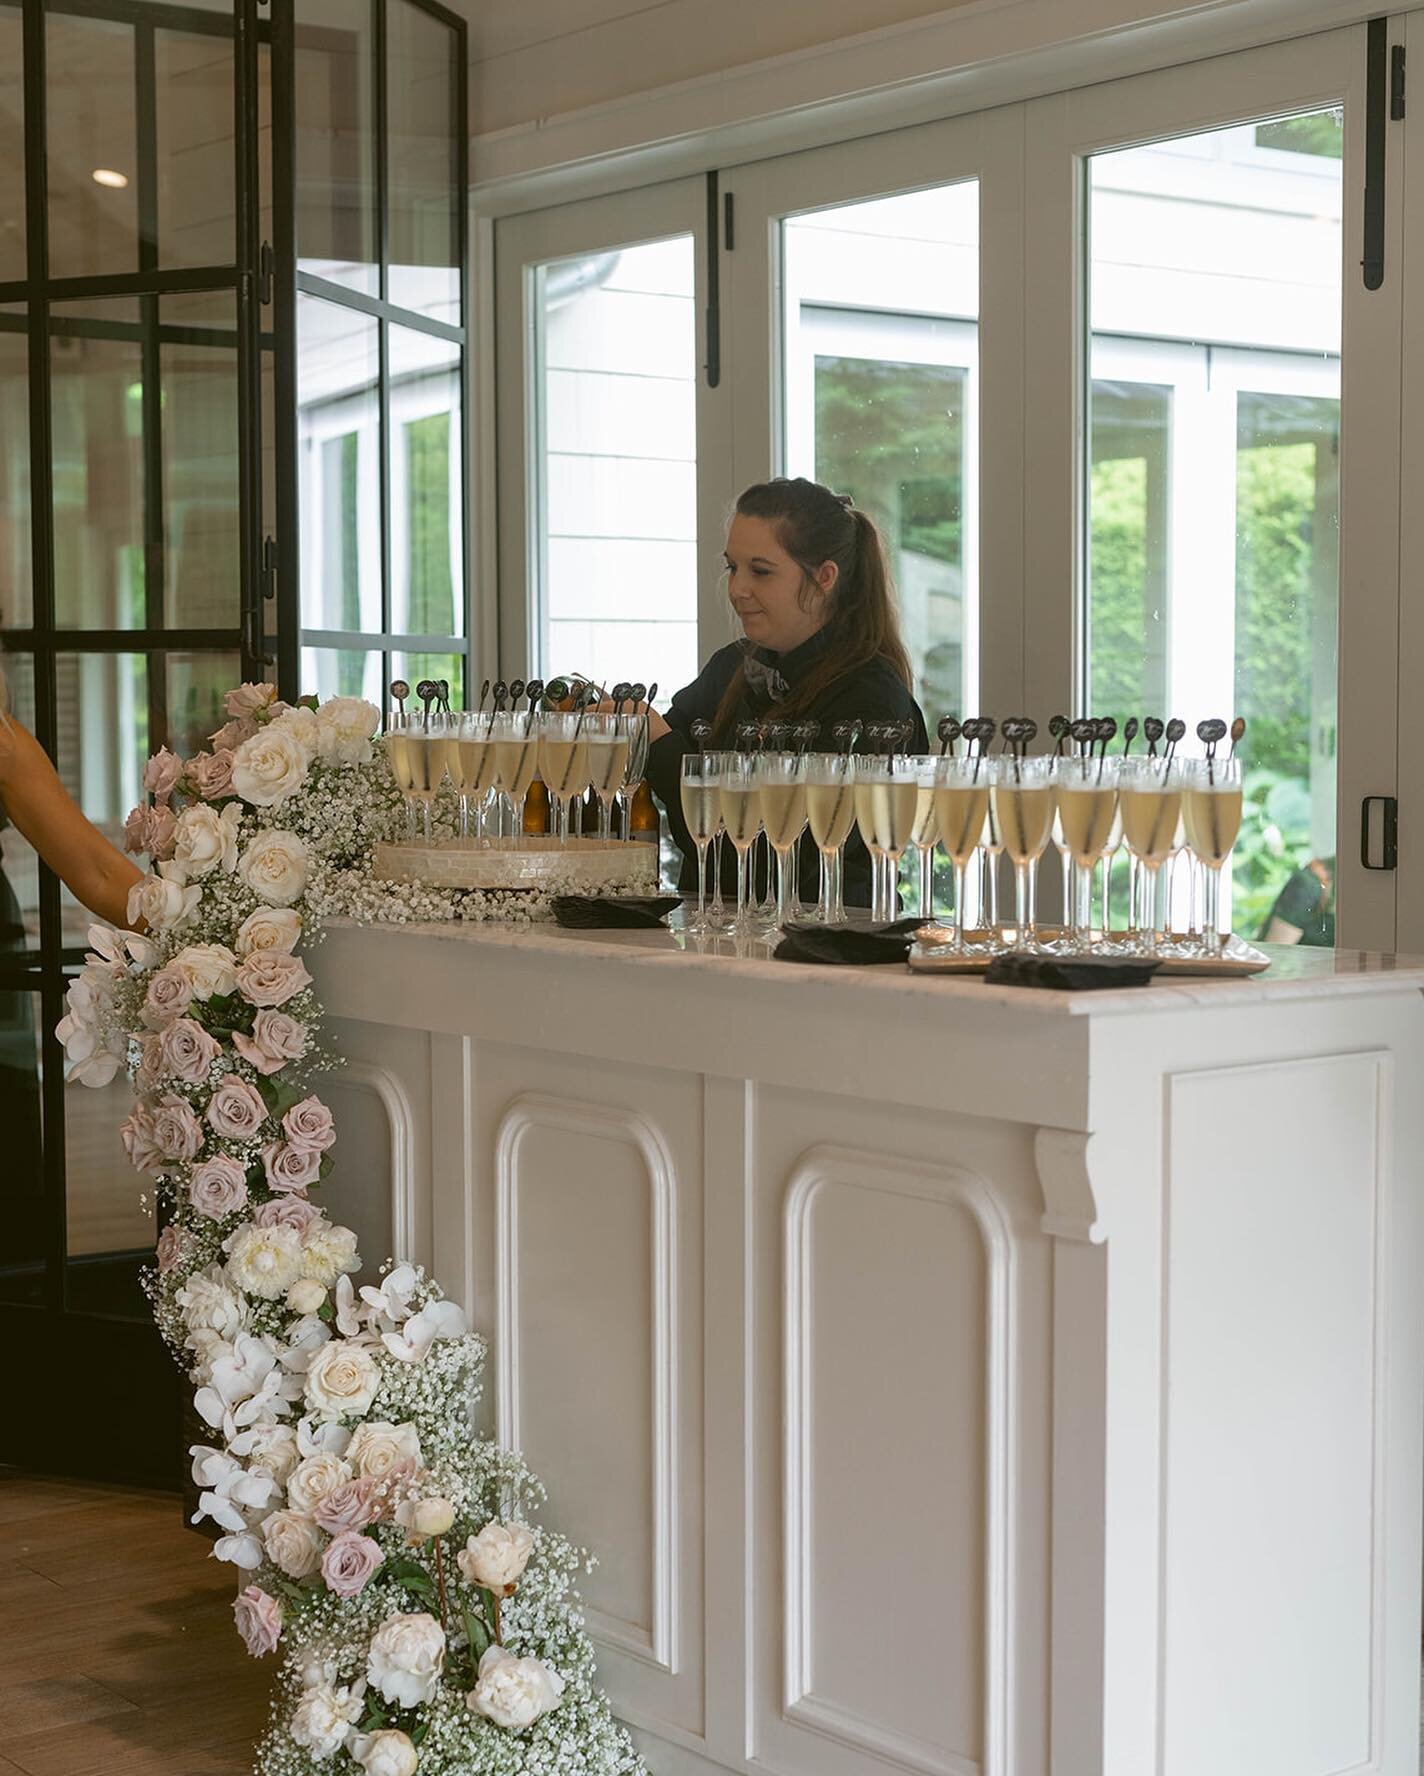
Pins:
x: 514, y: 1692
x: 306, y: 1296
x: 275, y: 866
x: 269, y: 767
x: 209, y: 969
x: 218, y: 1187
x: 293, y: 1542
x: 426, y: 1517
x: 342, y: 1379
x: 263, y: 1261
x: 268, y: 978
x: 271, y: 1447
x: 497, y: 1556
x: 275, y: 1040
x: 186, y: 1050
x: 162, y: 902
x: 323, y: 1717
x: 269, y: 928
x: 314, y: 1478
x: 386, y: 1753
x: 378, y: 1449
x: 236, y: 1110
x: 204, y: 839
x: 328, y: 1252
x: 406, y: 1658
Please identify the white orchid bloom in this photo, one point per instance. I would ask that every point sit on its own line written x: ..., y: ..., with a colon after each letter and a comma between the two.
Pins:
x: 321, y: 1439
x: 392, y: 1299
x: 229, y: 1489
x: 348, y: 1317
x: 304, y: 1338
x: 247, y: 1387
x: 437, y: 1319
x: 243, y: 1550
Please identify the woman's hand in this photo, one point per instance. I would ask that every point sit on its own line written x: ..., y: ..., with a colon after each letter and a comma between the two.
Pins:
x: 657, y: 727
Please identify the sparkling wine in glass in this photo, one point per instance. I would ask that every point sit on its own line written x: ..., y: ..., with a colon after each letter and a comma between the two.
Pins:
x: 398, y: 730
x: 961, y: 792
x: 1151, y: 794
x: 701, y: 810
x: 925, y: 831
x: 830, y: 812
x: 1087, y: 812
x: 564, y: 763
x: 886, y: 794
x: 516, y: 751
x: 781, y: 786
x: 1022, y: 801
x: 739, y: 805
x: 1211, y: 803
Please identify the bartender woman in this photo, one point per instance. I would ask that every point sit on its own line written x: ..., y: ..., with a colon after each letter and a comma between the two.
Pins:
x: 807, y: 580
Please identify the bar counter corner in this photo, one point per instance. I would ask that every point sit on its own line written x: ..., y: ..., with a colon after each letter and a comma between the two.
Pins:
x: 949, y: 1379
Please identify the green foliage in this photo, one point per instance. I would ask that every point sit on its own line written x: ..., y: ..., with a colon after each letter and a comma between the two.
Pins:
x: 1318, y: 132
x: 1273, y: 844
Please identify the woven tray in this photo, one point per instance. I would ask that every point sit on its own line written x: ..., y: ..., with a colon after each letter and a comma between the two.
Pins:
x: 572, y: 866
x: 931, y: 953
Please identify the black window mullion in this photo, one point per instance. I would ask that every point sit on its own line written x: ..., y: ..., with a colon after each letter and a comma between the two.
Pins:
x: 151, y: 373
x: 284, y: 368
x: 460, y: 126
x: 383, y: 287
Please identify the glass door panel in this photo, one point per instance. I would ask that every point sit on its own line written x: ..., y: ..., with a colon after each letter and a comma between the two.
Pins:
x: 1213, y: 474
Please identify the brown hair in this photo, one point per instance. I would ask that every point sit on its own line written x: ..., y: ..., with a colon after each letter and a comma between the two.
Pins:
x: 862, y: 625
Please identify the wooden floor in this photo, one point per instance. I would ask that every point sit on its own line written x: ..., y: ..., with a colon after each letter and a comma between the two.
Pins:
x: 118, y: 1656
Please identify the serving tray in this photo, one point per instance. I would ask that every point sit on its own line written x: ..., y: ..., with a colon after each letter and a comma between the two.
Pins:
x: 932, y: 953
x: 564, y: 866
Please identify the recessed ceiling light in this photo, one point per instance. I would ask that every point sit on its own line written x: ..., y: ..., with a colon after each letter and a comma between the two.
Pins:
x: 107, y: 176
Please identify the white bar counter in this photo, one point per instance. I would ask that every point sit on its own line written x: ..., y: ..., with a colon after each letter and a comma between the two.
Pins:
x: 950, y: 1379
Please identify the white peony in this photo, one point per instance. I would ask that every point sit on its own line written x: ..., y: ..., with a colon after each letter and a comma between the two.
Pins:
x: 264, y: 1261
x: 344, y: 726
x: 271, y: 766
x: 341, y: 1380
x: 209, y: 969
x: 328, y: 1252
x: 162, y: 901
x: 293, y: 1542
x: 386, y: 1753
x: 269, y: 1446
x: 269, y: 928
x: 274, y: 866
x: 313, y: 1478
x: 497, y: 1556
x: 406, y: 1658
x: 299, y: 724
x: 378, y: 1449
x: 210, y: 1303
x: 204, y: 839
x: 514, y: 1692
x: 324, y: 1716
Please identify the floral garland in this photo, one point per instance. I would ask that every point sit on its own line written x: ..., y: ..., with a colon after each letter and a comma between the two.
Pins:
x: 424, y: 1625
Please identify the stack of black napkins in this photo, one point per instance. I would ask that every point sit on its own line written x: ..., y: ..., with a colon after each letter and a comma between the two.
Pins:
x: 847, y: 943
x: 599, y: 912
x: 1070, y: 974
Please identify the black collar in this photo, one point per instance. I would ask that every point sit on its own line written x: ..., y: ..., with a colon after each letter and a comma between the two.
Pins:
x: 795, y: 662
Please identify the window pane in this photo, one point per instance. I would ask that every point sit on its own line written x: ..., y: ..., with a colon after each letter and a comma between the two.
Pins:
x: 22, y: 1204
x: 200, y: 478
x: 104, y: 733
x: 424, y: 219
x: 194, y: 687
x: 16, y: 570
x: 427, y: 479
x: 343, y: 672
x: 12, y: 143
x: 879, y: 401
x: 196, y: 169
x: 1213, y: 485
x: 336, y: 182
x: 97, y: 392
x: 617, y: 465
x: 108, y: 1204
x: 338, y: 443
x: 93, y: 171
x: 19, y: 867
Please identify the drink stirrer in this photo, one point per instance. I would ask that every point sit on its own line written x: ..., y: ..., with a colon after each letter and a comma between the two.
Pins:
x: 1152, y: 728
x: 949, y: 731
x: 400, y: 690
x: 1058, y: 729
x: 1238, y: 728
x: 1129, y: 734
x: 1175, y: 730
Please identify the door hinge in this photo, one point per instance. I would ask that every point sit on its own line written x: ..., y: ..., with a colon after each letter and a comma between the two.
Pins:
x: 269, y: 568
x: 266, y: 259
x: 1385, y: 830
x: 1396, y: 83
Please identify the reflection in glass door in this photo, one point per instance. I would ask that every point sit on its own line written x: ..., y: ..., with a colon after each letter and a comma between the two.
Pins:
x: 1213, y: 480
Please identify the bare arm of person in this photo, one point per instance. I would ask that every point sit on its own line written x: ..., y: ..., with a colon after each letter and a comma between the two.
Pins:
x: 657, y: 727
x: 41, y: 808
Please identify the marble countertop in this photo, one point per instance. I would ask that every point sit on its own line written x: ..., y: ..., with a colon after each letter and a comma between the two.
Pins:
x: 1294, y: 973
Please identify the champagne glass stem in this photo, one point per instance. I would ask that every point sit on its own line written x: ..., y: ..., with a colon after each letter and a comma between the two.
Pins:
x: 425, y: 817
x: 410, y: 819
x: 517, y: 809
x: 719, y: 910
x: 783, y: 887
x: 961, y: 881
x: 991, y: 864
x: 926, y: 858
x: 741, y: 919
x: 464, y: 815
x: 825, y: 900
x: 605, y: 819
x: 1211, y: 916
x: 1083, y: 909
x: 1023, y: 905
x: 701, y: 880
x: 838, y: 912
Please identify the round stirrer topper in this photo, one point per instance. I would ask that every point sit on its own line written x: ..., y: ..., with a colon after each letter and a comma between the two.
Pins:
x: 1175, y: 730
x: 1018, y: 731
x: 1105, y: 730
x: 400, y: 690
x: 948, y: 731
x: 426, y: 690
x: 1059, y: 728
x: 1129, y: 734
x: 1083, y: 732
x: 845, y: 734
x: 1153, y: 728
x: 501, y: 691
x: 980, y: 730
x: 1238, y: 728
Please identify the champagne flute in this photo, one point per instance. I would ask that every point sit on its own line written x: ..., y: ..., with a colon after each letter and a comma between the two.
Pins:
x: 830, y: 812
x: 781, y: 791
x: 610, y: 740
x: 564, y: 764
x: 1022, y: 799
x: 1151, y: 792
x: 398, y: 729
x: 925, y: 832
x: 633, y: 768
x: 961, y: 792
x: 886, y: 791
x: 1212, y: 807
x: 701, y: 809
x: 477, y: 770
x: 1087, y: 810
x: 737, y: 801
x: 516, y: 751
x: 425, y: 748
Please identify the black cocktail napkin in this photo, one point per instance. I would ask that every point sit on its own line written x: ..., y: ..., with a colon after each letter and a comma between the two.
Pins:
x: 856, y: 945
x: 598, y: 912
x: 1070, y: 974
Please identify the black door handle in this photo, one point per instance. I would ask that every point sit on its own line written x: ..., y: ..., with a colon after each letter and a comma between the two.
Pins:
x: 1389, y: 832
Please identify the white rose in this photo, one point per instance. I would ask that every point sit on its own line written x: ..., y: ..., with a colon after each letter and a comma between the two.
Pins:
x: 274, y: 866
x: 209, y: 969
x: 305, y: 1296
x: 204, y: 839
x: 211, y: 1304
x: 342, y: 1380
x: 324, y: 1716
x: 497, y: 1556
x: 386, y: 1753
x: 270, y: 1446
x: 264, y: 1261
x: 406, y: 1657
x: 344, y: 726
x: 378, y: 1449
x: 293, y: 1542
x: 313, y: 1478
x: 328, y: 1252
x: 271, y: 766
x: 426, y: 1517
x: 269, y: 928
x: 514, y: 1692
x: 162, y: 901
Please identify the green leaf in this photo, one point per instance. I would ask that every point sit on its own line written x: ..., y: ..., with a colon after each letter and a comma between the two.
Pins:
x: 327, y: 1162
x: 479, y: 1636
x: 417, y: 1734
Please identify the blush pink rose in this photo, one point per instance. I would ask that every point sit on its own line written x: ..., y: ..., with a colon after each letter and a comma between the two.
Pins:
x: 349, y: 1561
x: 176, y: 1131
x: 270, y: 977
x: 310, y: 1126
x: 210, y: 774
x: 150, y: 1064
x: 218, y: 1187
x: 288, y: 1211
x: 232, y: 733
x: 288, y: 1167
x: 186, y: 1050
x: 275, y: 1040
x: 259, y: 1620
x: 236, y: 1110
x: 350, y: 1506
x: 173, y: 1248
x: 161, y: 774
x: 169, y: 995
x: 136, y: 830
x: 162, y: 830
x: 247, y: 699
x: 140, y: 1143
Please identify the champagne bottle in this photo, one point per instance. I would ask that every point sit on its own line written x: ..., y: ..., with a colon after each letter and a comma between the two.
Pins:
x: 536, y: 808
x: 644, y: 821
